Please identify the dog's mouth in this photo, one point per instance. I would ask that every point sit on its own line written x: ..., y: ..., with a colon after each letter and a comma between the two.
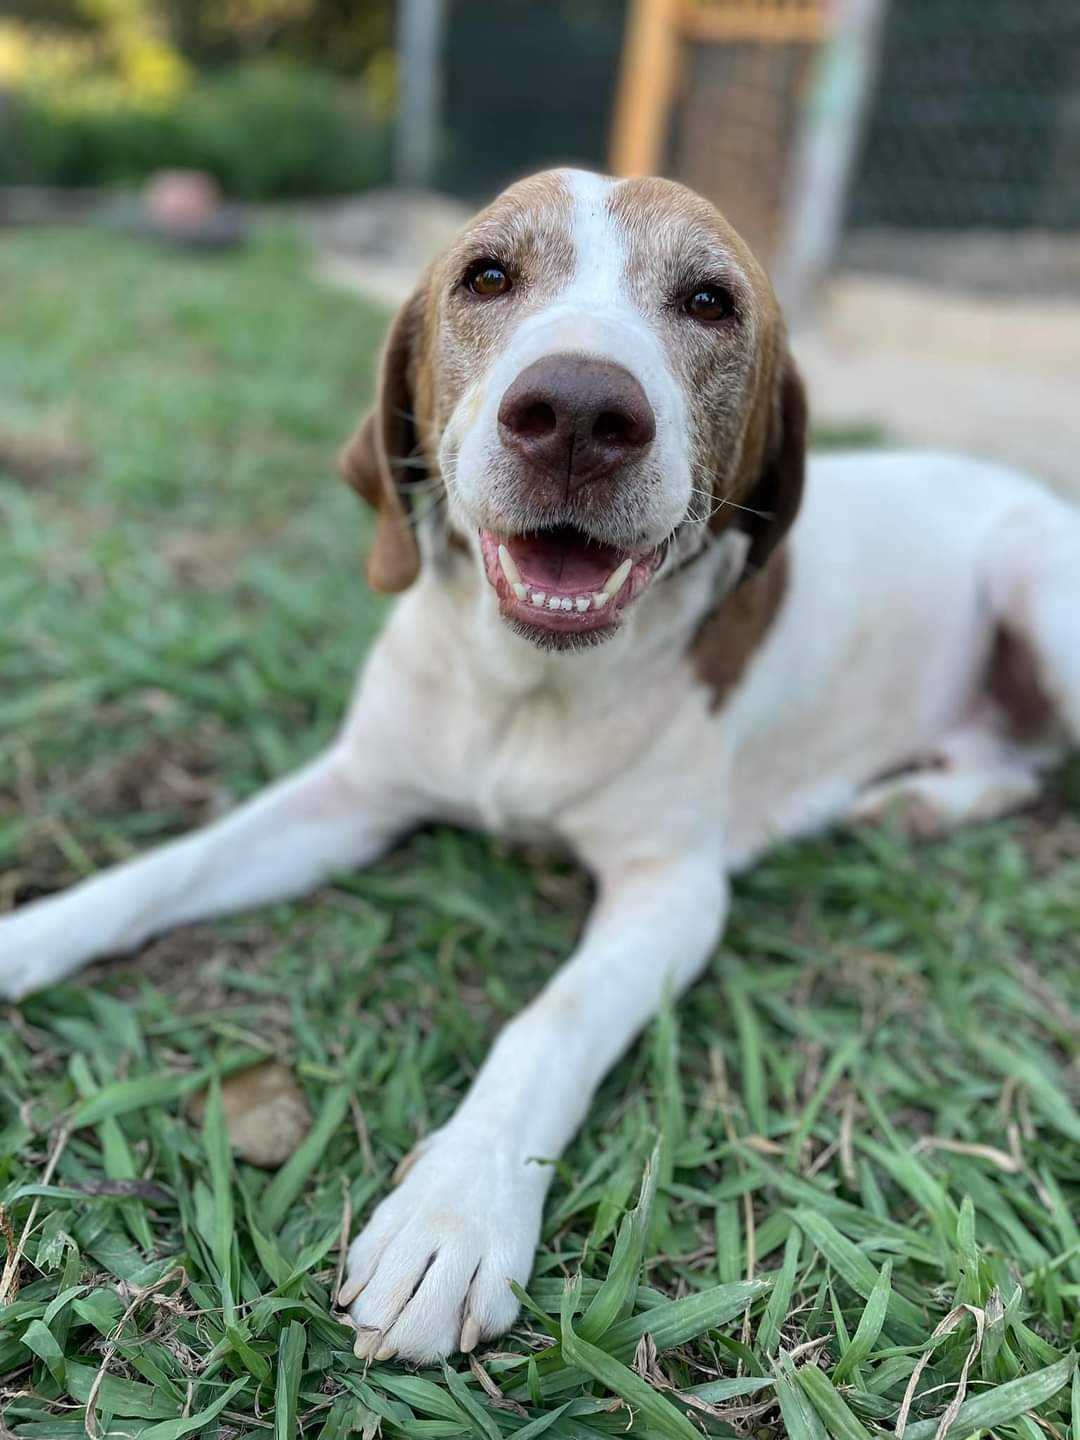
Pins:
x: 562, y: 582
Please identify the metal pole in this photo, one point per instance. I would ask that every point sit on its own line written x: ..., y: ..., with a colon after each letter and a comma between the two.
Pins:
x: 419, y: 45
x: 825, y: 157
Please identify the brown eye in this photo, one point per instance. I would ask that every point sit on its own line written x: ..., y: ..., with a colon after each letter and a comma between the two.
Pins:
x: 710, y: 304
x: 487, y: 279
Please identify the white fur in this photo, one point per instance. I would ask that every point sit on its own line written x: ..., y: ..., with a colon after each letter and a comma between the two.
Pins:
x: 591, y: 315
x: 902, y: 568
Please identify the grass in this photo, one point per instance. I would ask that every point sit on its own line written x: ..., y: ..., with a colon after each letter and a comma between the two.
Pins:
x: 865, y: 1173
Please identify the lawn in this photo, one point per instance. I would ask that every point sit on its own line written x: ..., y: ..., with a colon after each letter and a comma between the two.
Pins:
x: 860, y: 1208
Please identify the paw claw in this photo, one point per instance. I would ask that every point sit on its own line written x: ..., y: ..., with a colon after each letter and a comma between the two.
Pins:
x: 348, y: 1293
x: 367, y: 1341
x: 428, y: 1275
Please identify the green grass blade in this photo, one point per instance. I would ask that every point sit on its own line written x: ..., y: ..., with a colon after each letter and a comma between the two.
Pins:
x: 290, y: 1359
x: 869, y: 1326
x: 768, y: 1336
x: 677, y: 1321
x: 615, y: 1296
x: 291, y: 1178
x: 838, y: 1418
x: 1002, y: 1404
x: 750, y: 1051
x: 219, y: 1162
x: 852, y: 1264
x: 801, y: 1420
x: 662, y: 1417
x: 177, y: 1429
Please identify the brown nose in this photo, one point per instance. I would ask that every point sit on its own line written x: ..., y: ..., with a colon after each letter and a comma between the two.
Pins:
x: 576, y: 418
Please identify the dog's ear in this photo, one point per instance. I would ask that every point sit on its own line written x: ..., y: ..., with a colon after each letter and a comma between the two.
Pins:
x: 379, y: 460
x: 776, y: 458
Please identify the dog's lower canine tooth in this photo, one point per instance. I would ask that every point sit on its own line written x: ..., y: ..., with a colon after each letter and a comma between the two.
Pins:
x: 509, y: 569
x: 599, y: 599
x: 618, y: 579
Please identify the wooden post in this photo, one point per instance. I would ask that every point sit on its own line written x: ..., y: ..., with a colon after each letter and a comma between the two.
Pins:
x: 646, y: 84
x: 416, y: 139
x: 826, y: 154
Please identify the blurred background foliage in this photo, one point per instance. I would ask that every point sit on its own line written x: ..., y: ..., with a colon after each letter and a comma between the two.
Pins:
x: 105, y: 91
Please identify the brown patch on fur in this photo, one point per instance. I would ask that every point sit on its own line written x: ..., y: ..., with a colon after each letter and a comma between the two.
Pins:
x: 1015, y: 685
x: 747, y: 402
x: 439, y: 341
x: 730, y: 634
x: 775, y: 493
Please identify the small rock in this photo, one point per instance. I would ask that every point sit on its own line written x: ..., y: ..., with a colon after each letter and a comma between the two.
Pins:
x: 182, y: 199
x: 187, y: 208
x: 266, y: 1115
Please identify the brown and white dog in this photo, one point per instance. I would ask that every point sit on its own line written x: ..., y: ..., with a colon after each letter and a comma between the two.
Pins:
x: 585, y: 459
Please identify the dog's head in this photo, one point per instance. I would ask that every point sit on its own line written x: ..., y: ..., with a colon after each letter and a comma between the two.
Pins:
x: 595, y: 379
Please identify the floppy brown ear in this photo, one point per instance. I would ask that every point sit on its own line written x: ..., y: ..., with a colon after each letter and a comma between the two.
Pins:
x: 776, y: 494
x: 377, y: 460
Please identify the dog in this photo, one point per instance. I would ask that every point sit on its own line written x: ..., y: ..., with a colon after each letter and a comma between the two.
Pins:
x: 586, y: 462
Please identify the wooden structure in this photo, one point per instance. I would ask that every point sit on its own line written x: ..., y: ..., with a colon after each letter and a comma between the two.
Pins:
x: 710, y: 92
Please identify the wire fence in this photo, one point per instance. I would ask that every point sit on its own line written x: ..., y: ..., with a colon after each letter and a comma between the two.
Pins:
x: 967, y: 168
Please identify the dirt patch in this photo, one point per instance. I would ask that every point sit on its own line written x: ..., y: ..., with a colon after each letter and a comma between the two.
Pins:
x: 990, y: 376
x: 201, y: 561
x: 191, y: 966
x: 36, y: 457
x: 175, y: 777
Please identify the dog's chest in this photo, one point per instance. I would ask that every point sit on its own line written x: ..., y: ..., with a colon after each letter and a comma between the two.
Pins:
x: 517, y: 767
x: 489, y: 734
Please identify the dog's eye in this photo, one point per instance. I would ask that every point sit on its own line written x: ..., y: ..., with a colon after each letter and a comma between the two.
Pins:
x: 710, y: 304
x: 487, y: 278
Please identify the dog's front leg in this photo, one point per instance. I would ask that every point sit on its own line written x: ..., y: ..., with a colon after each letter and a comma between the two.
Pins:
x: 431, y: 1271
x: 337, y: 813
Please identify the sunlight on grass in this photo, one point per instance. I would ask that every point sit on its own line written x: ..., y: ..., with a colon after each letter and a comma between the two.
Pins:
x: 864, y: 1178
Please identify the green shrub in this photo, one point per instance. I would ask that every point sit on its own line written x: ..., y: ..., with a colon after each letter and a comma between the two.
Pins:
x: 264, y: 131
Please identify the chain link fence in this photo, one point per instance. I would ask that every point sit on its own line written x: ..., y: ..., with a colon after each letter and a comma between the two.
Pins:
x: 969, y: 168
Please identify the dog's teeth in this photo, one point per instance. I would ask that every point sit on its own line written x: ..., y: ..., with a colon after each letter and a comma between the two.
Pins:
x: 618, y: 579
x: 520, y: 590
x: 567, y: 603
x: 554, y: 603
x: 509, y: 569
x: 582, y: 603
x: 599, y: 599
x: 538, y: 597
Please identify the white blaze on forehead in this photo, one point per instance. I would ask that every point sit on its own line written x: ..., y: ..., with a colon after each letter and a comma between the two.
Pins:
x: 590, y: 312
x: 594, y: 312
x: 599, y: 249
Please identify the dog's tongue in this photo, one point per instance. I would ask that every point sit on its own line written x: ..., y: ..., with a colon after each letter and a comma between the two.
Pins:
x: 563, y: 560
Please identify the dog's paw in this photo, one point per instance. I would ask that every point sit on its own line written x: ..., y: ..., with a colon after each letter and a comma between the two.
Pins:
x: 430, y: 1273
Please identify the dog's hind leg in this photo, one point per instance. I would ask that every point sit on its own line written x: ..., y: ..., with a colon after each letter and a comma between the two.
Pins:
x: 931, y: 803
x: 1033, y: 578
x: 324, y: 819
x: 977, y: 774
